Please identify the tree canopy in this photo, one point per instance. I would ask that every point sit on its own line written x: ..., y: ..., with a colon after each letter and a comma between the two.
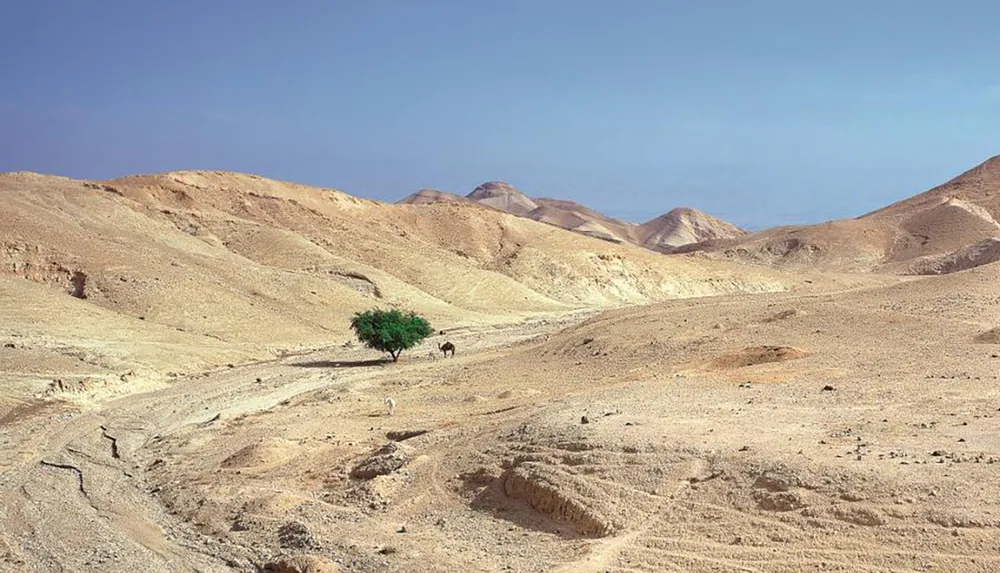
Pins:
x: 391, y: 331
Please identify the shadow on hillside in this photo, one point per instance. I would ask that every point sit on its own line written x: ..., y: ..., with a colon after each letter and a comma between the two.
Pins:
x: 342, y: 363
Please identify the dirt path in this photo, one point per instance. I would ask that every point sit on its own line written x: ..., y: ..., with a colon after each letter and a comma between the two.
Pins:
x: 74, y: 497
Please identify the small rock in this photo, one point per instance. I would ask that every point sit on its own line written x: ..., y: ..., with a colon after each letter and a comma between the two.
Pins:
x: 301, y: 564
x: 828, y: 388
x: 383, y: 461
x: 297, y: 535
x: 403, y: 435
x: 584, y: 420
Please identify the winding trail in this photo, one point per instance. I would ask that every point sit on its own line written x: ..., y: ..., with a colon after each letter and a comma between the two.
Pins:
x: 73, y: 495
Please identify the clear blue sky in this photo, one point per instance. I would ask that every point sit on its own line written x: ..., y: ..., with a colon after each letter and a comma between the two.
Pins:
x: 765, y: 112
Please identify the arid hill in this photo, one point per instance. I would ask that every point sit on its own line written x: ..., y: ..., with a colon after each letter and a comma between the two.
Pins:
x: 501, y: 195
x: 425, y: 196
x: 684, y: 226
x: 945, y: 221
x: 235, y: 266
x: 679, y: 227
x: 575, y: 217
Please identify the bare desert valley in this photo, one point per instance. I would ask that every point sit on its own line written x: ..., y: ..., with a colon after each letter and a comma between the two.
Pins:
x: 181, y: 390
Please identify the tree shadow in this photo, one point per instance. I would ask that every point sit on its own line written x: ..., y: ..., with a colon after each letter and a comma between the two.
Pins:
x: 342, y: 363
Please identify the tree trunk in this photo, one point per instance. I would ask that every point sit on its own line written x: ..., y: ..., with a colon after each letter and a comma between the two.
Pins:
x: 395, y: 355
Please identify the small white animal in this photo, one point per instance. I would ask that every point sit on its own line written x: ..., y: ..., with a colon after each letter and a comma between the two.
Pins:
x: 392, y: 405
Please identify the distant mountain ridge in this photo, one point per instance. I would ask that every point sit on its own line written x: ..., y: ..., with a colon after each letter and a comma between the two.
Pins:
x: 504, y: 196
x: 678, y: 228
x: 684, y: 226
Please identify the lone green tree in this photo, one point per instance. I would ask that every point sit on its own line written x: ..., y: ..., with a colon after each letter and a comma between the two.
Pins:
x: 391, y: 331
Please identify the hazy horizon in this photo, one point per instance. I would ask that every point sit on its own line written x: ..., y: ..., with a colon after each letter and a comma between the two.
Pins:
x: 767, y: 114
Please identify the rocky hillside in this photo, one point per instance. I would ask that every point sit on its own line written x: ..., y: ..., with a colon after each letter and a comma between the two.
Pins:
x: 941, y: 230
x: 232, y: 266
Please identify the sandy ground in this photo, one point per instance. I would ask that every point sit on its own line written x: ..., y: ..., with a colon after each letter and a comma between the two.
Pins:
x: 854, y: 430
x: 203, y: 408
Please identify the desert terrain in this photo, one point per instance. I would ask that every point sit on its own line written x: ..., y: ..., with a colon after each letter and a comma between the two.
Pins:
x: 821, y: 398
